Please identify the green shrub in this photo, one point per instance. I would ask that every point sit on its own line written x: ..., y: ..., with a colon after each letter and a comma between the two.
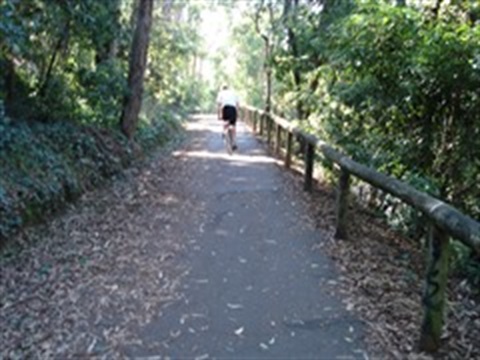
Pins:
x: 466, y: 263
x: 398, y: 91
x: 45, y: 165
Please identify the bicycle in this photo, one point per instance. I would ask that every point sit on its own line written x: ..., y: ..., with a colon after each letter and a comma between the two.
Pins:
x: 228, y: 138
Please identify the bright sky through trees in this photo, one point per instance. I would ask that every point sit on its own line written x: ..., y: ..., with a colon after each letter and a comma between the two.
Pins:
x: 216, y: 30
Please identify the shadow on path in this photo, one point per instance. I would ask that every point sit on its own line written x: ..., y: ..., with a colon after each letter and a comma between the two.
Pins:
x: 253, y: 288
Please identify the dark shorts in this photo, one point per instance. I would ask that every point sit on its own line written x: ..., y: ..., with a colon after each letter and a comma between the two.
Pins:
x: 229, y: 113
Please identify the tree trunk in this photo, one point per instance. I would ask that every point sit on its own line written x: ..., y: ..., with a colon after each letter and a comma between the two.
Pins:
x: 138, y: 61
x: 434, y: 292
x: 289, y: 13
x: 266, y: 62
x: 107, y: 49
x: 268, y: 102
x: 61, y: 43
x: 437, y: 7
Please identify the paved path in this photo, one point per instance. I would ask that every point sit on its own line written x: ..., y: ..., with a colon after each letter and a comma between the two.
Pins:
x: 253, y: 289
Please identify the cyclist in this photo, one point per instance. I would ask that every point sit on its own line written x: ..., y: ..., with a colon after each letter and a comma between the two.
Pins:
x: 227, y: 105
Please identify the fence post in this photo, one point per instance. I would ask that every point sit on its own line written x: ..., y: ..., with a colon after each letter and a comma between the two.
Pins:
x: 309, y: 158
x: 278, y: 134
x: 434, y: 292
x: 269, y: 130
x: 341, y: 207
x: 254, y: 123
x: 262, y: 120
x: 288, y: 157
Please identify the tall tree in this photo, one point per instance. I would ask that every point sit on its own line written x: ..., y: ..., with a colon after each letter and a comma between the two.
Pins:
x: 289, y: 19
x: 106, y: 45
x: 267, y: 37
x: 138, y: 61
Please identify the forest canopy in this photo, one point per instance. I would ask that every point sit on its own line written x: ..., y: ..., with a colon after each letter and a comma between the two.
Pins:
x: 64, y: 80
x: 394, y: 83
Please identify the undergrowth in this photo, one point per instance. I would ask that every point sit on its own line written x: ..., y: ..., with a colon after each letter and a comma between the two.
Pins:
x: 43, y: 166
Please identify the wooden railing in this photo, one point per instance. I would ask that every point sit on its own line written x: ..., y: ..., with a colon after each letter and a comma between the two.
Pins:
x: 445, y: 221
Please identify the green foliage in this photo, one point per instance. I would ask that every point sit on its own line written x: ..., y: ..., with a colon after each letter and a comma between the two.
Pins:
x: 157, y: 125
x: 250, y: 68
x: 102, y: 90
x: 395, y: 87
x: 63, y: 78
x: 174, y: 48
x: 44, y: 166
x: 63, y: 60
x: 466, y: 263
x: 39, y: 175
x: 411, y: 93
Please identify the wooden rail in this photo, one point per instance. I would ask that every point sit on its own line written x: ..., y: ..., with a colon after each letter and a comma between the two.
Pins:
x: 445, y: 221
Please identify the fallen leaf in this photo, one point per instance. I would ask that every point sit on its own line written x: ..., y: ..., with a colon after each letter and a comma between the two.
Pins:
x: 234, y: 306
x: 264, y: 346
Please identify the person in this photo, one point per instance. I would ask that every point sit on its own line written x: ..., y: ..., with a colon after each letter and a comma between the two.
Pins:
x: 227, y: 105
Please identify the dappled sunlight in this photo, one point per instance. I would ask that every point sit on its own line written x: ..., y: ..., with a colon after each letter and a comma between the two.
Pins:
x: 241, y: 158
x: 212, y: 123
x: 203, y: 116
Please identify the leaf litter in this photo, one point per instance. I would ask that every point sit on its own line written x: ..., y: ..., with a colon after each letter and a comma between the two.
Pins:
x: 234, y: 306
x: 381, y: 279
x: 85, y: 284
x: 239, y: 331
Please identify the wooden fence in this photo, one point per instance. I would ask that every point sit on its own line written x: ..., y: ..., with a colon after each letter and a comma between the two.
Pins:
x: 444, y: 220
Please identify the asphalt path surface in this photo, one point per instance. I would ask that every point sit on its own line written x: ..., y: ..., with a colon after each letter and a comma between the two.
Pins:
x: 254, y: 289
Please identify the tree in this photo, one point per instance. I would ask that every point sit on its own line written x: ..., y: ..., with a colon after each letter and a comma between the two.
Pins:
x: 137, y: 65
x: 250, y: 74
x: 289, y: 19
x: 267, y: 36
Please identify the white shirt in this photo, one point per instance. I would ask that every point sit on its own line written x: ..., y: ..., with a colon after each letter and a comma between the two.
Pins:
x: 227, y: 97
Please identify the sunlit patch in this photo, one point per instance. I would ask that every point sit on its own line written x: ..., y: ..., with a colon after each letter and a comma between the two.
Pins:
x: 249, y: 159
x: 203, y: 126
x: 212, y: 125
x: 203, y: 117
x: 170, y: 199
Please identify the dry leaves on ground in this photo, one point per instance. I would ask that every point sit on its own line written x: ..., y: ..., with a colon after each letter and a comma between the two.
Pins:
x: 381, y: 279
x: 88, y: 281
